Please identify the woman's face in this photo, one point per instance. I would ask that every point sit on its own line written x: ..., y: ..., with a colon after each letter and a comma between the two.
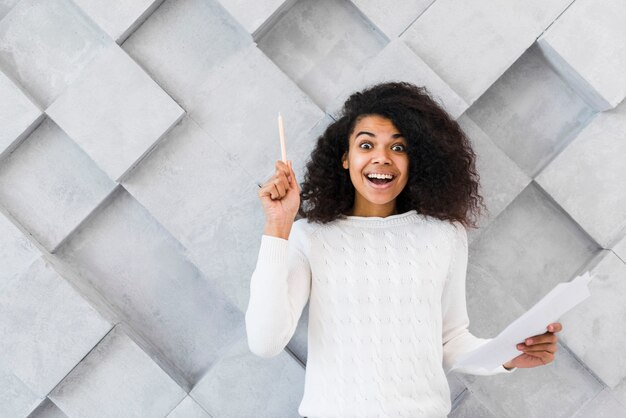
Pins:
x: 376, y: 147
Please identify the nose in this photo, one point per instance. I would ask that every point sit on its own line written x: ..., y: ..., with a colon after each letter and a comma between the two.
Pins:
x: 381, y: 157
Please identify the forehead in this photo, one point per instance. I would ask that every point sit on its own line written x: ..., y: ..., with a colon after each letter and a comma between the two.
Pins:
x: 381, y: 127
x: 374, y: 122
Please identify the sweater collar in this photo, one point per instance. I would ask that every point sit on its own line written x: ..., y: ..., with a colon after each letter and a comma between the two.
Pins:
x: 398, y: 219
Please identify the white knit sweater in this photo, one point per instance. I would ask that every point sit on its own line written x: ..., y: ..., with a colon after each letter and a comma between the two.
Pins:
x: 387, y: 312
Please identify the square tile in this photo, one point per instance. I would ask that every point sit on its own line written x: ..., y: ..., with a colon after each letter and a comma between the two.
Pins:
x: 16, y: 399
x: 407, y: 67
x: 44, y: 46
x: 595, y: 330
x: 46, y: 327
x: 16, y: 251
x: 18, y: 115
x: 119, y: 21
x: 238, y: 105
x: 530, y: 113
x: 255, y: 15
x: 588, y: 178
x: 530, y: 247
x: 501, y: 180
x: 321, y: 45
x: 182, y: 315
x: 181, y: 42
x: 117, y: 379
x: 50, y: 185
x: 273, y: 388
x: 115, y: 112
x: 586, y: 45
x: 392, y: 17
x: 470, y: 44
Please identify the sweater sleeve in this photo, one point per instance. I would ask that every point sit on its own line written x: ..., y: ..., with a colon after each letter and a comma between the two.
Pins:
x: 279, y: 290
x: 456, y: 337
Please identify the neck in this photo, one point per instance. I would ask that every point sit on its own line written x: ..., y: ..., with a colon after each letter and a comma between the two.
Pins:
x: 381, y: 211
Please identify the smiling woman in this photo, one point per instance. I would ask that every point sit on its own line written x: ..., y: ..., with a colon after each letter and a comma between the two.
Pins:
x: 392, y: 180
x: 395, y: 129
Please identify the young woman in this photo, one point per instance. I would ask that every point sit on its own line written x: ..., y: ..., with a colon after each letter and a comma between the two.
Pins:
x: 380, y: 253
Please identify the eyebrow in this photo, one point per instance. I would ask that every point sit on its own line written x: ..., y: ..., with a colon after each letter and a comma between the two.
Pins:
x: 372, y: 135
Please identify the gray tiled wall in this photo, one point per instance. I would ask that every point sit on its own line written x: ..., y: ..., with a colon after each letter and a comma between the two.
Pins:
x: 133, y: 137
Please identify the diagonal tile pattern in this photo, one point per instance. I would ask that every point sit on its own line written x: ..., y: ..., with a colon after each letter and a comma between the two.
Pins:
x: 133, y: 138
x: 115, y: 112
x: 45, y: 45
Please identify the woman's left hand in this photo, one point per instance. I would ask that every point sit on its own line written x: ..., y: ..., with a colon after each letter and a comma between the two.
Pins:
x: 538, y: 350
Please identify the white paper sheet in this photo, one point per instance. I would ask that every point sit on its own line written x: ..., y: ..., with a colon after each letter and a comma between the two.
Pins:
x: 502, y: 348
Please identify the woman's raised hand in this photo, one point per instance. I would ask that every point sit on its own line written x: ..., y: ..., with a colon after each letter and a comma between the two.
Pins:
x: 280, y: 198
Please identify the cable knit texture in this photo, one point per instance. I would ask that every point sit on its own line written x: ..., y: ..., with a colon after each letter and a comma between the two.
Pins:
x: 387, y: 312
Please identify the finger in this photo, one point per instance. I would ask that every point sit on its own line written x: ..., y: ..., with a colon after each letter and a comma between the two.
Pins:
x: 293, y: 181
x: 282, y: 168
x: 267, y: 190
x: 555, y: 327
x: 550, y: 348
x: 284, y: 183
x: 543, y: 338
x: 284, y: 178
x: 280, y: 187
x: 290, y: 175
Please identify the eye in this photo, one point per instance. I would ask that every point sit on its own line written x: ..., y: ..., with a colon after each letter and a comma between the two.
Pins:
x: 365, y: 143
x: 403, y: 148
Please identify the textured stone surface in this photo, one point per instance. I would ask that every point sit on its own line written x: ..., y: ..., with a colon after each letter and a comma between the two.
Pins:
x: 597, y: 319
x: 256, y: 15
x: 321, y: 45
x: 18, y: 115
x: 119, y: 21
x: 6, y: 6
x: 457, y: 388
x: 133, y: 138
x: 238, y: 105
x: 16, y: 252
x: 392, y: 18
x: 117, y: 379
x: 469, y: 406
x: 50, y: 185
x: 271, y: 388
x: 582, y: 46
x: 115, y: 112
x: 183, y: 41
x: 470, y: 44
x: 500, y: 178
x: 597, y: 197
x: 190, y: 161
x: 620, y: 249
x: 16, y: 398
x: 188, y: 408
x: 45, y: 45
x: 407, y: 67
x: 45, y: 327
x: 531, y: 232
x: 564, y: 382
x: 603, y: 406
x: 164, y: 297
x: 530, y: 112
x: 47, y: 409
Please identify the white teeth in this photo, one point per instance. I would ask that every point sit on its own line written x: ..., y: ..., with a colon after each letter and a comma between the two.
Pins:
x: 380, y: 176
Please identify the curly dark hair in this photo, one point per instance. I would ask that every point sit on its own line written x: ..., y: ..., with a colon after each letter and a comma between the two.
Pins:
x: 442, y: 182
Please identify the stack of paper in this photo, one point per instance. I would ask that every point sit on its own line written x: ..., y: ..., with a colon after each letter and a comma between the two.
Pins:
x: 502, y: 348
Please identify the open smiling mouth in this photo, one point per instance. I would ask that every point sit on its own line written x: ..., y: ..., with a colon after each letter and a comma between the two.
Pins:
x: 378, y: 183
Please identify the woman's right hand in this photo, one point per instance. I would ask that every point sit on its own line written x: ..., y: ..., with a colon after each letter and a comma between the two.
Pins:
x: 280, y: 196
